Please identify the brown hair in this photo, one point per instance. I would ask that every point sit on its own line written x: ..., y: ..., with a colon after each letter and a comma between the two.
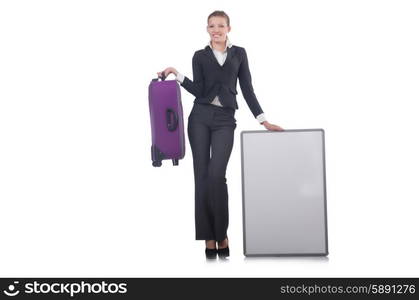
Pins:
x: 219, y: 13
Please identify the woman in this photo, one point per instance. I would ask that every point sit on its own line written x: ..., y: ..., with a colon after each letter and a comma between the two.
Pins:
x: 211, y: 126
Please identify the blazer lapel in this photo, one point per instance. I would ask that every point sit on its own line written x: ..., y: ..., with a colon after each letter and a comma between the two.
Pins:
x: 210, y: 54
x: 230, y: 54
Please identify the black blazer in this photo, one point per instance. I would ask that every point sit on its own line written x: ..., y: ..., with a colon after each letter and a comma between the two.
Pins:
x: 210, y: 79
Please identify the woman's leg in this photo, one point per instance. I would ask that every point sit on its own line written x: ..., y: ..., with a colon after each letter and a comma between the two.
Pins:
x: 199, y: 138
x: 222, y: 138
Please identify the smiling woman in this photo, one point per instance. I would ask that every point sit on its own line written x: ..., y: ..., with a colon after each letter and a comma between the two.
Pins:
x: 211, y: 126
x: 218, y: 27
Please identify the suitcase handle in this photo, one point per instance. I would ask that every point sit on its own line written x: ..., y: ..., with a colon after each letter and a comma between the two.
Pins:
x: 171, y: 115
x: 162, y: 77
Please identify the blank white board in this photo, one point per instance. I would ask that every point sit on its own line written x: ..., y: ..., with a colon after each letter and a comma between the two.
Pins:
x: 284, y: 192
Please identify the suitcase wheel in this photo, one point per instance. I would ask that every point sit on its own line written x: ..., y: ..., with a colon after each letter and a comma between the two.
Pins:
x: 156, y: 163
x: 175, y: 161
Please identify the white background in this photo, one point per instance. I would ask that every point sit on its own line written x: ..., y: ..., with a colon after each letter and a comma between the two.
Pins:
x: 78, y: 194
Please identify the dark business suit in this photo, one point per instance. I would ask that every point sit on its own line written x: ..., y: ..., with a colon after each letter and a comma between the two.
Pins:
x: 211, y: 133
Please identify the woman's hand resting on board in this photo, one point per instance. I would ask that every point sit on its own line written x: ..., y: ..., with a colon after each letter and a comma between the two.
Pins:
x: 273, y: 127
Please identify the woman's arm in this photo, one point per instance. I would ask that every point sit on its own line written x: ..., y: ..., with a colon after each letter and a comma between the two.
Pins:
x: 194, y: 87
x: 246, y: 86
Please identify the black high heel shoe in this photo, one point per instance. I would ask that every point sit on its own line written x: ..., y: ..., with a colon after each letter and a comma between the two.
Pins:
x: 223, y: 252
x: 211, y: 253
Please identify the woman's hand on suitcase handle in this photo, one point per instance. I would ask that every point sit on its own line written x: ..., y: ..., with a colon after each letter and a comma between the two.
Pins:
x: 167, y: 71
x: 272, y: 127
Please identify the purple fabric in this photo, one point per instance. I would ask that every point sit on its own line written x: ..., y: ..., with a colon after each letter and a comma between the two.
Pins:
x: 165, y: 95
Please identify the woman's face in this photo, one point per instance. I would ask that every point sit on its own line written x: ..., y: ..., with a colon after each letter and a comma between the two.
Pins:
x: 218, y: 29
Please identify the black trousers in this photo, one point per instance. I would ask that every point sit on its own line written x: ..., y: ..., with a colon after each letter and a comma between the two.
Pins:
x: 211, y: 135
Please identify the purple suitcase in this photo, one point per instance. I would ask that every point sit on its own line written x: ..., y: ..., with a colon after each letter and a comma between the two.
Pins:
x: 166, y: 116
